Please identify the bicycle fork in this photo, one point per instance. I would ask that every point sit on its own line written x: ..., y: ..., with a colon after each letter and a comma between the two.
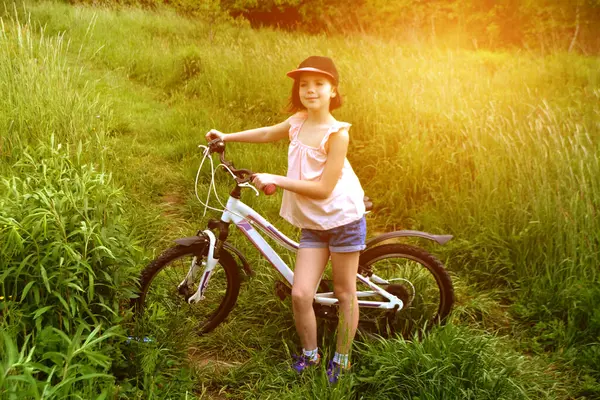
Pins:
x: 209, y: 266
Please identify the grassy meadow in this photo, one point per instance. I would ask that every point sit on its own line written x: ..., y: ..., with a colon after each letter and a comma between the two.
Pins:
x: 101, y: 113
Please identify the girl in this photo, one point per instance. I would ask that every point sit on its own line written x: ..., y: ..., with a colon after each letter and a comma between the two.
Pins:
x: 322, y: 196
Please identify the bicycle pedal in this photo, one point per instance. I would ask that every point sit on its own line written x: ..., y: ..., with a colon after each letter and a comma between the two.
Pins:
x: 282, y: 290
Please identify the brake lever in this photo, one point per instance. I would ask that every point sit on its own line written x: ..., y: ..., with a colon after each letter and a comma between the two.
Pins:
x: 247, y: 184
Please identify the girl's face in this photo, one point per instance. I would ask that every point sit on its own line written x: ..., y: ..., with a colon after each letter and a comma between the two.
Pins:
x: 315, y: 91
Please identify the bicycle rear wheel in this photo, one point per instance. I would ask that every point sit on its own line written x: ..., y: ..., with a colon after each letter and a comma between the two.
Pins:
x: 417, y: 278
x: 162, y: 303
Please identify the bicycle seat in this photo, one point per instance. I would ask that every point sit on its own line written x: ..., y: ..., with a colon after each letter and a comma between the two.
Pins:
x: 368, y: 203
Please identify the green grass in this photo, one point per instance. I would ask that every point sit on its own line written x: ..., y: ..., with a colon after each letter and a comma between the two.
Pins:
x: 499, y: 149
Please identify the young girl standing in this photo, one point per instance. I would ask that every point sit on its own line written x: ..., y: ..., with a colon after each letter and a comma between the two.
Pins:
x: 322, y: 196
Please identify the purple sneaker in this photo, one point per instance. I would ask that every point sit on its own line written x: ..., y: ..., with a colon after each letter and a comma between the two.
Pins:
x: 302, y: 362
x: 334, y: 370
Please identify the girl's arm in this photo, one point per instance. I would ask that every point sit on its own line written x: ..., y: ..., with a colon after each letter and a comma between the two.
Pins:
x: 257, y: 135
x: 338, y: 147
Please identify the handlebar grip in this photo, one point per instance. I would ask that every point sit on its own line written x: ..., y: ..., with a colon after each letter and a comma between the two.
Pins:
x: 269, y: 189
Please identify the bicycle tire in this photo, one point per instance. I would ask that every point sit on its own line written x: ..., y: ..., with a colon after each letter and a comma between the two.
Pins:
x: 422, y: 277
x: 220, y: 295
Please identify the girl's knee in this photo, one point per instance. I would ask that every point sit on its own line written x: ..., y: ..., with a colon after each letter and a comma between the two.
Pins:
x: 302, y: 298
x: 345, y: 296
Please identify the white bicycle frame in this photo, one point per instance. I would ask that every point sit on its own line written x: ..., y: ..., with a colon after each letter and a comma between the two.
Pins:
x: 246, y: 219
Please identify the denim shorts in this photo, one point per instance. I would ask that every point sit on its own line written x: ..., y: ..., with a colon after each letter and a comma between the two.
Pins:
x: 341, y: 239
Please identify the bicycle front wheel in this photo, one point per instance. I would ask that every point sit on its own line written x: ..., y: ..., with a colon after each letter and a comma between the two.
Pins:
x: 164, y: 303
x: 415, y: 277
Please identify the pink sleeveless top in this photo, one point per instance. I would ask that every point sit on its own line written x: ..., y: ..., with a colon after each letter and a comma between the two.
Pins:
x: 344, y: 205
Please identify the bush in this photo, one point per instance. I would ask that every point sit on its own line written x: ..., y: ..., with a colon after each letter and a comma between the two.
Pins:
x: 69, y: 265
x: 68, y: 259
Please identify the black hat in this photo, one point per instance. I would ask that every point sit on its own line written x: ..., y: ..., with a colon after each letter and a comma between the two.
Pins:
x: 318, y: 64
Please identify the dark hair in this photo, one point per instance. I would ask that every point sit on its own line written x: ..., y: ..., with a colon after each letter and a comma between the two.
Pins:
x: 295, y: 104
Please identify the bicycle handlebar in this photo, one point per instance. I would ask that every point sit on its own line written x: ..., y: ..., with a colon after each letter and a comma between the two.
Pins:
x: 242, y: 175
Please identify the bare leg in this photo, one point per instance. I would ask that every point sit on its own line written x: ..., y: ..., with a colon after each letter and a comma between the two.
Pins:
x: 345, y: 267
x: 310, y: 264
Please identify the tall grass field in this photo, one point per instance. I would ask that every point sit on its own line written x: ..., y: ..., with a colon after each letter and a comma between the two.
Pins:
x: 101, y: 114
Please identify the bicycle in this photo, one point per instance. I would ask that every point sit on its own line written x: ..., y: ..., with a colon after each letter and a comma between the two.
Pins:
x: 405, y: 288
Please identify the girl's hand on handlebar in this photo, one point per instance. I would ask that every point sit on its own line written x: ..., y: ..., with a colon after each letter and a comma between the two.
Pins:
x: 265, y: 182
x: 214, y: 134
